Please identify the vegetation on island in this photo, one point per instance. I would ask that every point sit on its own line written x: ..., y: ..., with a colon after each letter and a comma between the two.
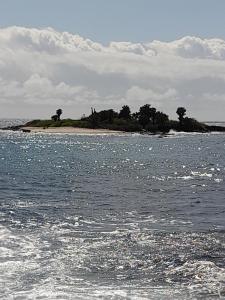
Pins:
x: 57, y: 116
x: 148, y: 119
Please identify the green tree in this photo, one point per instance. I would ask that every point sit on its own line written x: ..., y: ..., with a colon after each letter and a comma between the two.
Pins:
x: 181, y: 111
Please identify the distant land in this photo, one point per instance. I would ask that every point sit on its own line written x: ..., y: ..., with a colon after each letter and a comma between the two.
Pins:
x: 147, y: 120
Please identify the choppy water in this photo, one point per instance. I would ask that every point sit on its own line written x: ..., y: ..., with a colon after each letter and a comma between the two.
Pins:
x: 112, y: 217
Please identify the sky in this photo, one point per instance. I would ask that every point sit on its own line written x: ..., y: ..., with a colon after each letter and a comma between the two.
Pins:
x: 76, y: 54
x: 120, y: 20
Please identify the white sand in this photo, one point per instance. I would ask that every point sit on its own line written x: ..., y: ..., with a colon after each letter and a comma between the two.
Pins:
x: 74, y: 130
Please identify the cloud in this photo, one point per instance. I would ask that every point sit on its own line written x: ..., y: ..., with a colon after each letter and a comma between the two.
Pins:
x: 142, y: 95
x: 41, y: 69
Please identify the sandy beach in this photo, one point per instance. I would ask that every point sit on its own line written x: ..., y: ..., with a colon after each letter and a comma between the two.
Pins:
x: 71, y: 130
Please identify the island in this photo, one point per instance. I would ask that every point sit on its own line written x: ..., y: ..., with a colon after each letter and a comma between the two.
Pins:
x: 148, y: 120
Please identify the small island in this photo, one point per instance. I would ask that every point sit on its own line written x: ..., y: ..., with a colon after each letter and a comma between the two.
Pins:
x: 147, y: 120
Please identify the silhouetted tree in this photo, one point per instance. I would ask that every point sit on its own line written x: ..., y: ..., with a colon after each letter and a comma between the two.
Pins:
x: 107, y: 116
x: 135, y: 116
x: 54, y: 118
x: 191, y: 125
x: 111, y: 115
x: 144, y: 115
x: 161, y: 118
x: 94, y: 118
x: 125, y: 112
x: 58, y: 113
x: 153, y: 114
x: 181, y: 111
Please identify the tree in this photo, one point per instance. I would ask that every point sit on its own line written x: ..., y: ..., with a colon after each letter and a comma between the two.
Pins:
x: 135, y: 116
x: 153, y: 114
x: 54, y: 118
x: 110, y: 115
x: 125, y: 112
x: 161, y: 118
x: 94, y: 118
x: 181, y: 111
x: 144, y: 115
x: 107, y: 116
x: 58, y: 113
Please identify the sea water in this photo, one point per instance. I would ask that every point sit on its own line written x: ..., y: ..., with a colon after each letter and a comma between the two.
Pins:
x: 112, y: 216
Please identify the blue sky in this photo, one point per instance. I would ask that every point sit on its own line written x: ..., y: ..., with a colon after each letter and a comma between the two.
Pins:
x: 120, y: 20
x: 42, y: 69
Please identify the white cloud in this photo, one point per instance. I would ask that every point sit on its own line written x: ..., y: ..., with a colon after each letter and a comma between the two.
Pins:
x: 142, y: 96
x: 41, y: 69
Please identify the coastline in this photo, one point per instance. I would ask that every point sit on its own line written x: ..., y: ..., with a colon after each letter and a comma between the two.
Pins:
x: 70, y: 130
x: 30, y: 128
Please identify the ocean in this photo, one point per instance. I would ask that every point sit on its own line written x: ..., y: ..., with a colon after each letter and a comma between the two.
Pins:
x: 112, y: 216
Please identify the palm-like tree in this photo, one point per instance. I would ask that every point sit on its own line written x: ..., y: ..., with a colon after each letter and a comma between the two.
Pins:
x: 181, y: 111
x: 58, y: 113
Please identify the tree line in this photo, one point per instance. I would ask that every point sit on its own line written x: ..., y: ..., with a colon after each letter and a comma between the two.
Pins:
x: 148, y: 119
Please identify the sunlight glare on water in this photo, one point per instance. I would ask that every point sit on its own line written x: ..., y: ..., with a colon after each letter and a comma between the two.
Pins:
x: 112, y: 217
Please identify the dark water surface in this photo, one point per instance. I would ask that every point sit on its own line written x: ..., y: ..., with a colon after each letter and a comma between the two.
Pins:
x: 112, y: 217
